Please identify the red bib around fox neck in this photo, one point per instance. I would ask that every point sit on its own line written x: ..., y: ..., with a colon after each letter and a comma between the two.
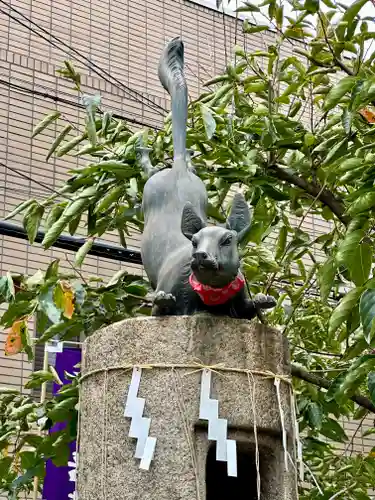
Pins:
x: 216, y: 296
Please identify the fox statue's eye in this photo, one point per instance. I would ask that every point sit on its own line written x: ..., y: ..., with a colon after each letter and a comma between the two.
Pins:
x: 227, y: 241
x: 194, y: 243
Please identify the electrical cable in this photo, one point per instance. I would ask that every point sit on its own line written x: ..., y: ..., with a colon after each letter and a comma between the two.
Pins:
x: 91, y: 64
x: 62, y: 100
x: 142, y: 99
x: 25, y: 176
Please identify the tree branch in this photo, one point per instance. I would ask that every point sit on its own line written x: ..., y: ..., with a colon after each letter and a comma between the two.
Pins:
x: 313, y: 189
x: 325, y: 384
x: 337, y: 60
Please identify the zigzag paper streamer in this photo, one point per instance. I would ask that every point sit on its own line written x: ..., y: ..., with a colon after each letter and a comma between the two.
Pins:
x: 139, y: 426
x: 226, y: 450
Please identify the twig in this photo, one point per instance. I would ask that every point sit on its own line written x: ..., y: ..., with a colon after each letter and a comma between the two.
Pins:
x: 287, y: 248
x: 351, y: 442
x: 326, y: 197
x: 341, y: 492
x: 303, y: 374
x: 43, y: 394
x: 77, y: 271
x: 320, y: 353
x: 338, y: 61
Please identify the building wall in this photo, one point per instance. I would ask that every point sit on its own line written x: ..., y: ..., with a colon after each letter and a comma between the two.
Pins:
x: 124, y: 38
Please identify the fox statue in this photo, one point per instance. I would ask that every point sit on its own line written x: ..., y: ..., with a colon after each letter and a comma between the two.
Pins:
x: 191, y: 266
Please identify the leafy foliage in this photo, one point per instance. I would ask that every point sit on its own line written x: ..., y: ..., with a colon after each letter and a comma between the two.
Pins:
x: 296, y: 133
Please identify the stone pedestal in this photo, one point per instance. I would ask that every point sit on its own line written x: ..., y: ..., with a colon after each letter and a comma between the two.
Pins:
x: 184, y: 465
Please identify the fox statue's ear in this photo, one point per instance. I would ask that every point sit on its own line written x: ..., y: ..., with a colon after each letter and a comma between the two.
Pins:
x: 191, y: 223
x: 239, y: 219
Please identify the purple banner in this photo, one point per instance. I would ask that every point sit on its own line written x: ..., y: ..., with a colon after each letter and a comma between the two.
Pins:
x: 59, y: 482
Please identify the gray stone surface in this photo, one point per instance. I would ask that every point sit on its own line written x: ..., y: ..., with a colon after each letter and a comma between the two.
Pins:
x: 107, y: 467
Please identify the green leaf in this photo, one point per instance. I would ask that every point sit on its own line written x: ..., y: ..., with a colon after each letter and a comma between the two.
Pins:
x: 45, y: 122
x: 352, y: 11
x: 35, y: 280
x: 312, y: 6
x: 71, y: 211
x: 343, y: 310
x: 274, y: 193
x: 248, y: 7
x: 91, y: 104
x: 52, y: 331
x: 109, y: 301
x: 28, y: 459
x: 7, y: 291
x: 314, y: 415
x: 60, y: 411
x: 346, y: 250
x: 309, y: 138
x: 74, y: 223
x: 83, y: 251
x: 54, y: 214
x: 18, y: 413
x: 362, y: 203
x: 255, y: 29
x: 53, y: 269
x: 334, y: 387
x: 32, y: 221
x: 338, y: 150
x: 25, y: 339
x: 371, y: 385
x: 281, y: 242
x: 68, y: 146
x: 354, y: 377
x: 56, y: 143
x: 38, y: 378
x: 360, y: 266
x: 347, y: 117
x: 338, y: 91
x: 367, y: 313
x: 333, y: 430
x: 48, y: 306
x: 111, y: 197
x: 217, y: 79
x: 279, y: 16
x: 266, y: 256
x: 20, y: 208
x: 5, y: 464
x: 208, y: 120
x: 215, y: 213
x: 17, y: 310
x: 350, y: 164
x: 326, y: 278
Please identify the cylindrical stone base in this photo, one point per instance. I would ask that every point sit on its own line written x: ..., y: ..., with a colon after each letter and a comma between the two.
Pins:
x: 184, y: 465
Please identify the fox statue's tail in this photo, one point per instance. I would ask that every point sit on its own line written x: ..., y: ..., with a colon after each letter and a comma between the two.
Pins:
x: 171, y: 76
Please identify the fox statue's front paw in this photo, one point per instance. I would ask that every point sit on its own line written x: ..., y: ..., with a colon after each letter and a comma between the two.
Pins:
x: 262, y: 301
x: 164, y: 300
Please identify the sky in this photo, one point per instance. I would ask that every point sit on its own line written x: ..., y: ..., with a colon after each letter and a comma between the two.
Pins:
x: 231, y: 5
x: 368, y: 10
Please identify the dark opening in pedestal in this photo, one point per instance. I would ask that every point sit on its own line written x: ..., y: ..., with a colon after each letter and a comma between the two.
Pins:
x: 221, y: 487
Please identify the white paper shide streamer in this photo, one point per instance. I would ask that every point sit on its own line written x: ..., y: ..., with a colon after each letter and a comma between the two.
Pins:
x: 139, y: 426
x: 226, y: 449
x: 73, y: 475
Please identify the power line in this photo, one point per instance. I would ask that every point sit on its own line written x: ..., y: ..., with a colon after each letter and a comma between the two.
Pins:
x: 21, y: 89
x: 29, y: 178
x: 91, y: 65
x: 27, y: 192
